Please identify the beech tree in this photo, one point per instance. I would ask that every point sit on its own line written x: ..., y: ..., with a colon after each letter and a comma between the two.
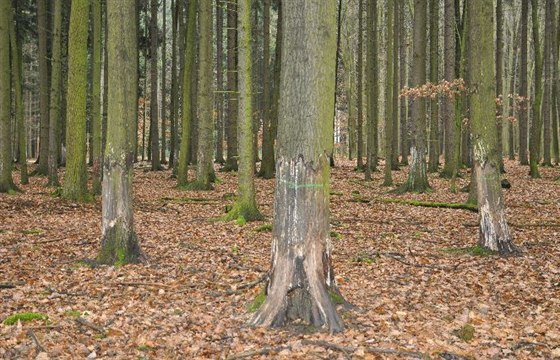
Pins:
x: 301, y: 275
x: 75, y: 180
x: 494, y: 229
x: 119, y: 244
x: 42, y: 31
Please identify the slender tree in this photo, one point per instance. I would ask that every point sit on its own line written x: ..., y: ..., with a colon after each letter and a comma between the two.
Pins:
x: 555, y: 88
x: 547, y: 86
x: 267, y: 164
x: 220, y: 82
x: 42, y: 30
x: 246, y: 205
x: 372, y: 88
x: 17, y: 80
x: 448, y: 105
x: 188, y: 75
x: 119, y: 244
x: 96, y: 97
x: 55, y: 94
x: 154, y: 114
x: 395, y: 87
x: 417, y: 178
x: 204, y: 169
x: 494, y: 230
x: 75, y: 180
x: 536, y: 123
x: 389, y: 99
x: 360, y: 91
x: 433, y: 158
x: 164, y: 85
x: 301, y: 276
x: 523, y: 87
x: 231, y: 124
x: 405, y: 149
x: 499, y: 79
x: 6, y: 181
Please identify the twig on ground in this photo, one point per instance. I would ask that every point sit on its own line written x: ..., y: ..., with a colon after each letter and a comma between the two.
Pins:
x: 32, y: 335
x: 263, y: 351
x: 139, y: 283
x: 398, y: 257
x: 462, y: 206
x: 46, y: 241
x: 348, y: 350
x: 247, y: 285
x: 8, y: 285
x: 345, y: 350
x: 80, y: 320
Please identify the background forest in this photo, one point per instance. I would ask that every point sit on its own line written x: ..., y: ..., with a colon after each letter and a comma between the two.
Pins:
x: 399, y: 157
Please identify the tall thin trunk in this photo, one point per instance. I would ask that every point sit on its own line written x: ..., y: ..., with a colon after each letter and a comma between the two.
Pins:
x: 547, y: 72
x: 154, y: 114
x: 220, y: 80
x: 96, y: 98
x: 388, y: 180
x: 360, y: 89
x: 301, y: 276
x: 433, y: 157
x: 245, y: 205
x: 6, y: 181
x: 119, y: 244
x: 448, y: 105
x: 56, y: 67
x: 372, y: 88
x: 173, y: 95
x: 523, y: 87
x: 536, y: 123
x: 189, y: 75
x: 405, y: 150
x: 267, y: 164
x: 494, y: 231
x: 75, y: 180
x: 42, y: 24
x: 499, y: 79
x: 163, y: 154
x: 231, y: 124
x: 417, y: 178
x: 555, y: 88
x: 395, y: 87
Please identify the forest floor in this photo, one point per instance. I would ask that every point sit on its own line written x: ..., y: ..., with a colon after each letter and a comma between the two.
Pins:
x: 420, y: 287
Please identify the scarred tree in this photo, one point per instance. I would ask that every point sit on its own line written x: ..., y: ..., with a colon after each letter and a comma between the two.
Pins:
x: 301, y: 277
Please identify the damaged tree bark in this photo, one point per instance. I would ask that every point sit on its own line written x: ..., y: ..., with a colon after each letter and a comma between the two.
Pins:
x: 302, y: 283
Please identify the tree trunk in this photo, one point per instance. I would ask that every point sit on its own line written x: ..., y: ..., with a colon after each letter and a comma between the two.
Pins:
x: 42, y: 21
x: 555, y: 89
x: 204, y: 169
x: 360, y: 89
x: 231, y: 124
x: 448, y: 105
x: 188, y: 76
x: 163, y: 154
x: 499, y: 80
x: 267, y: 164
x: 154, y: 115
x: 119, y: 244
x: 395, y: 87
x: 417, y: 179
x: 245, y: 205
x: 494, y: 230
x: 220, y: 80
x: 301, y: 278
x: 405, y: 149
x: 75, y: 180
x: 523, y: 87
x: 388, y: 179
x: 96, y: 98
x: 54, y: 113
x: 17, y: 80
x: 547, y: 64
x: 433, y: 158
x: 372, y: 88
x: 536, y: 123
x: 6, y: 181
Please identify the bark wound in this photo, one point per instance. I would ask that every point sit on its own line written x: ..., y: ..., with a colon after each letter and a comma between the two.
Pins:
x: 301, y: 274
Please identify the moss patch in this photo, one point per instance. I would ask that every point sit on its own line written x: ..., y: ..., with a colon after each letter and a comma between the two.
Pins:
x: 32, y: 232
x: 257, y: 302
x: 470, y: 207
x: 23, y: 317
x: 335, y: 297
x: 476, y: 250
x: 335, y: 235
x: 264, y: 228
x: 364, y: 258
x: 466, y: 333
x: 73, y: 313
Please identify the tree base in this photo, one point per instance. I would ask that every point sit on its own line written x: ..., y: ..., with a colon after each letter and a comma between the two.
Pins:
x: 119, y: 247
x: 245, y: 211
x: 231, y: 165
x: 197, y: 186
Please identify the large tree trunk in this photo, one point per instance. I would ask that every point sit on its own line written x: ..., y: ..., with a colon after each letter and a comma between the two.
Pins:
x: 433, y: 158
x: 417, y: 178
x: 154, y: 114
x: 75, y: 180
x: 494, y: 230
x: 267, y: 164
x: 372, y: 88
x: 205, y: 102
x: 119, y: 244
x: 246, y: 205
x: 17, y: 79
x: 6, y: 181
x: 523, y: 87
x: 448, y: 106
x: 188, y: 76
x: 536, y: 123
x: 96, y: 98
x: 42, y: 21
x: 301, y: 277
x: 56, y: 68
x: 231, y: 124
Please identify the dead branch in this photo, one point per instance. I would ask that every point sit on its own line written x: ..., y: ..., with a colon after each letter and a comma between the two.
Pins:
x: 263, y: 351
x: 247, y: 285
x: 376, y: 350
x: 136, y: 283
x: 462, y: 206
x: 398, y: 257
x: 80, y: 320
x: 345, y: 350
x: 32, y: 335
